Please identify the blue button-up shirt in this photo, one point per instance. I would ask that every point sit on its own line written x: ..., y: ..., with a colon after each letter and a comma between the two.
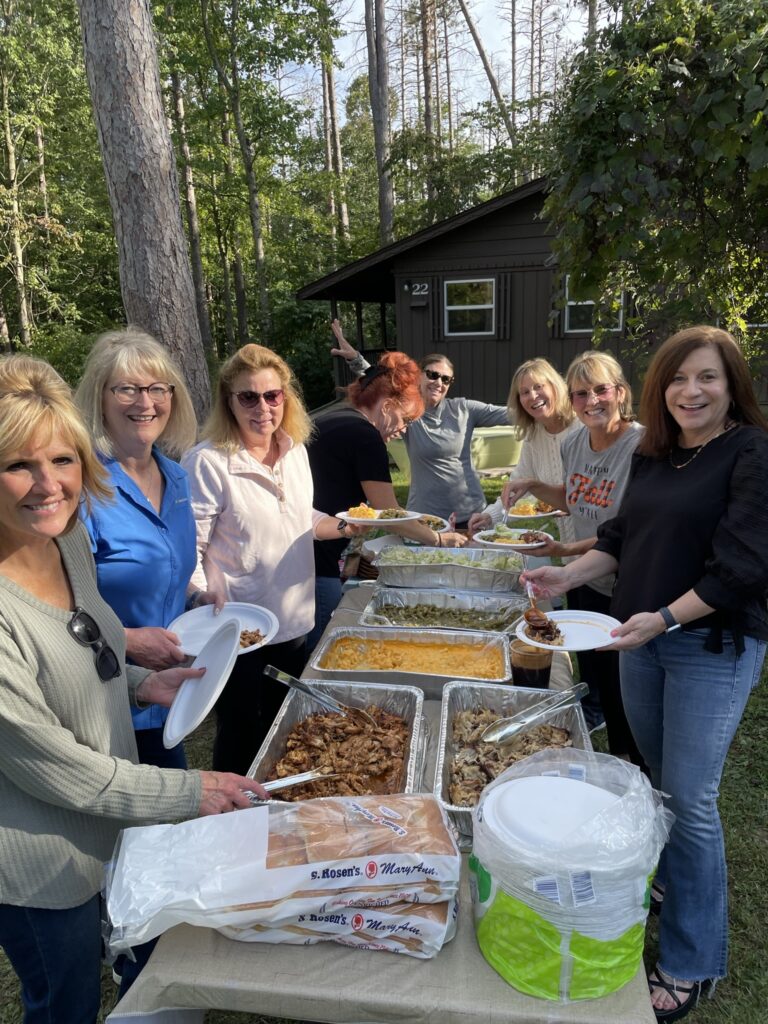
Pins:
x: 144, y: 560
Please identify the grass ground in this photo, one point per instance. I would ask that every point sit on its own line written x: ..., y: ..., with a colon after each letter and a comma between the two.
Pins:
x: 743, y: 997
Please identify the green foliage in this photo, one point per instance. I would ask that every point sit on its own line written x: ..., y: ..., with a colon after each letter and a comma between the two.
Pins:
x: 660, y: 182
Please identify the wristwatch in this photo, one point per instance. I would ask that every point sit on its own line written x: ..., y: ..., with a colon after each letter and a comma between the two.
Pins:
x: 669, y: 619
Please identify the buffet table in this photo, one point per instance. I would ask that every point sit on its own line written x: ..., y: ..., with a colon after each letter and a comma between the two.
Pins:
x: 196, y: 969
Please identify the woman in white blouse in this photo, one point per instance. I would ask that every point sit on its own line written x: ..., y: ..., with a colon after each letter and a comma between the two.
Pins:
x: 251, y: 491
x: 539, y: 406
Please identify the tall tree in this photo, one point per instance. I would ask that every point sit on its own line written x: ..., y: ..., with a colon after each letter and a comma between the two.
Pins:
x: 378, y: 87
x: 140, y: 169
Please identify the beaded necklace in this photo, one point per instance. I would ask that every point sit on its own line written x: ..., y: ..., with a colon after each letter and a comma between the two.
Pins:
x: 728, y: 426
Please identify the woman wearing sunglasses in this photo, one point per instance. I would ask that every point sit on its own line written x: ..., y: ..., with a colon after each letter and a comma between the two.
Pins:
x: 252, y: 502
x: 443, y: 481
x: 141, y: 418
x: 596, y: 463
x: 68, y: 778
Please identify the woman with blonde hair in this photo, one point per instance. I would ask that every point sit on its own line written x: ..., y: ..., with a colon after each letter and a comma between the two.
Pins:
x: 68, y: 778
x: 596, y: 464
x: 141, y: 418
x: 538, y: 405
x: 255, y: 523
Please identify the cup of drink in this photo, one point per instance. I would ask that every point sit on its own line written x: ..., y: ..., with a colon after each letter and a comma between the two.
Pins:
x: 530, y: 665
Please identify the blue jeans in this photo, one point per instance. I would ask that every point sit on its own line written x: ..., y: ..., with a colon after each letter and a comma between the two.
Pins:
x: 327, y: 597
x: 56, y: 955
x: 684, y: 705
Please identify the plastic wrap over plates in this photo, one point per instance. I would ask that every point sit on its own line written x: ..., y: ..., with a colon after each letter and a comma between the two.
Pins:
x: 196, y: 697
x: 194, y: 628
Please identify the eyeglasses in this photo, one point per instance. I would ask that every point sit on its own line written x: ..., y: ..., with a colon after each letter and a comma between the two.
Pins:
x: 127, y: 393
x: 248, y: 399
x: 600, y: 391
x: 86, y: 631
x: 434, y: 375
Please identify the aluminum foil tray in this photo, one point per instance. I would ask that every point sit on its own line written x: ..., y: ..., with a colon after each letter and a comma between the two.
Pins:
x: 506, y: 700
x: 405, y: 701
x: 476, y: 576
x: 376, y: 612
x: 432, y: 684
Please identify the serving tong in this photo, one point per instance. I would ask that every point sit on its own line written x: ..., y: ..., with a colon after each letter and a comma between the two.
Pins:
x: 507, y: 730
x: 290, y: 780
x: 323, y: 699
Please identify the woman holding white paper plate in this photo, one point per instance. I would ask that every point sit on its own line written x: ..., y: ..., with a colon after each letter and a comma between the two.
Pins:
x: 252, y: 502
x: 68, y: 778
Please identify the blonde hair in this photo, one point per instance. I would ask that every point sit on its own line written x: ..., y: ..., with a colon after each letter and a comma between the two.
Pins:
x: 126, y: 353
x: 221, y: 426
x: 591, y: 367
x: 542, y: 372
x: 35, y: 403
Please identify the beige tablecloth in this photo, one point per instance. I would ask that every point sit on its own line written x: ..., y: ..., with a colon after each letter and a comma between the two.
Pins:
x: 194, y: 969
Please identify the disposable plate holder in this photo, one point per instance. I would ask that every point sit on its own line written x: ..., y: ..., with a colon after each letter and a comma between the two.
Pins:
x: 405, y: 701
x: 507, y: 701
x: 482, y: 611
x: 478, y: 570
x: 431, y: 683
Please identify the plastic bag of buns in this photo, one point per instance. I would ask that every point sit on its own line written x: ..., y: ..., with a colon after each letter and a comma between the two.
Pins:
x: 277, y: 862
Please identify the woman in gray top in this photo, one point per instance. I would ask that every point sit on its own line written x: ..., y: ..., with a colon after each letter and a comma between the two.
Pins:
x: 443, y: 481
x: 68, y: 778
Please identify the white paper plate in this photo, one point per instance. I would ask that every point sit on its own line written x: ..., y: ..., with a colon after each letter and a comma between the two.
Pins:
x: 440, y: 529
x: 195, y: 627
x: 535, y: 515
x: 582, y: 631
x: 379, y: 523
x: 196, y: 697
x: 482, y: 538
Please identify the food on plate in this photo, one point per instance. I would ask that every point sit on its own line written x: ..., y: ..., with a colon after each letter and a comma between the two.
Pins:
x: 539, y: 627
x: 533, y: 537
x: 504, y: 535
x: 392, y: 513
x: 368, y: 760
x: 362, y: 512
x: 473, y: 661
x: 415, y: 615
x: 433, y: 522
x: 475, y: 763
x: 401, y: 555
x: 248, y: 637
x: 530, y: 507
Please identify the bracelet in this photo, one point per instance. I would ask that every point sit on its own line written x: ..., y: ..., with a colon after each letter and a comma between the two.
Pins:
x: 193, y: 598
x: 670, y: 622
x: 439, y: 541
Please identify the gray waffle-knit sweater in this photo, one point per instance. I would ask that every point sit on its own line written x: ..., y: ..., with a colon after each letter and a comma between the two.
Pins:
x: 68, y: 778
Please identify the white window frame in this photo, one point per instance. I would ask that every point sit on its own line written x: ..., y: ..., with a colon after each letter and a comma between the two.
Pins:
x: 567, y: 329
x: 485, y: 305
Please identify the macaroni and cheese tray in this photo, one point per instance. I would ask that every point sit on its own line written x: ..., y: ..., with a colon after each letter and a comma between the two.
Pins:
x: 464, y: 763
x: 442, y: 609
x: 424, y: 658
x: 401, y: 702
x: 428, y: 568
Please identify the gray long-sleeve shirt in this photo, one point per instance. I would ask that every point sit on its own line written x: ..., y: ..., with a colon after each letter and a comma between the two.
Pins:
x: 68, y: 783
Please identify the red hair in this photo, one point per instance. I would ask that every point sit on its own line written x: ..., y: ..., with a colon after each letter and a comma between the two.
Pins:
x: 396, y: 377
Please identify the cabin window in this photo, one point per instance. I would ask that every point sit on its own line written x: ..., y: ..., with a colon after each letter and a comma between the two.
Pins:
x: 579, y: 316
x: 470, y: 306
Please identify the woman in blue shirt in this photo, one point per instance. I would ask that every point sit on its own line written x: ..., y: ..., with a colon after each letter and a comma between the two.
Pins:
x: 139, y: 412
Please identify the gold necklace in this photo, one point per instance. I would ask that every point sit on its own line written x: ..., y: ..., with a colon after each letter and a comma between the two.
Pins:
x: 728, y: 426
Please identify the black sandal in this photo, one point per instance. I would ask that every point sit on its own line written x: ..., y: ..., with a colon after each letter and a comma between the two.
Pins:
x: 691, y: 995
x: 657, y: 898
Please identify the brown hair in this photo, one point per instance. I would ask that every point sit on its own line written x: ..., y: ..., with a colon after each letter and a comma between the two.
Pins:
x: 396, y: 377
x: 661, y: 429
x: 543, y: 371
x: 36, y: 403
x: 221, y: 426
x: 435, y: 357
x: 592, y: 367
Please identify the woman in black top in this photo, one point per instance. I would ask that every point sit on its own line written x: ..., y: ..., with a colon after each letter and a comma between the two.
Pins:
x: 690, y: 544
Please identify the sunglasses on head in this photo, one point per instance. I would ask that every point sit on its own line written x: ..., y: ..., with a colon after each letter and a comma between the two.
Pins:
x: 434, y: 375
x: 86, y: 631
x: 248, y: 399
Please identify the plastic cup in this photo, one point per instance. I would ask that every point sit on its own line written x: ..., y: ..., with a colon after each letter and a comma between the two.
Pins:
x: 530, y: 665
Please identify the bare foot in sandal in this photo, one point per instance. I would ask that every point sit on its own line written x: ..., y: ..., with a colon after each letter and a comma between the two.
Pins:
x: 673, y: 998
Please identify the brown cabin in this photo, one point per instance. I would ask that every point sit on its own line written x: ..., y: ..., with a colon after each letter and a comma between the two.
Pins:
x: 481, y: 287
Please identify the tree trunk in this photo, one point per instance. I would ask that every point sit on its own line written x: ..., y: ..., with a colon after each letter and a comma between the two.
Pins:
x: 338, y: 162
x: 193, y: 221
x: 41, y: 180
x: 221, y: 246
x: 140, y: 168
x: 5, y: 338
x: 492, y: 81
x: 513, y: 61
x: 12, y: 187
x: 330, y: 199
x: 240, y: 303
x: 448, y: 98
x: 378, y: 87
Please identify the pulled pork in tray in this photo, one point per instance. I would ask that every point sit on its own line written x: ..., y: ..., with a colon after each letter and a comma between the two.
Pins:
x: 369, y: 760
x: 477, y: 763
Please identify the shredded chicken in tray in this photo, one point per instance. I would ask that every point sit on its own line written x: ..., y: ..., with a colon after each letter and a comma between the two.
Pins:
x: 477, y: 763
x: 369, y: 760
